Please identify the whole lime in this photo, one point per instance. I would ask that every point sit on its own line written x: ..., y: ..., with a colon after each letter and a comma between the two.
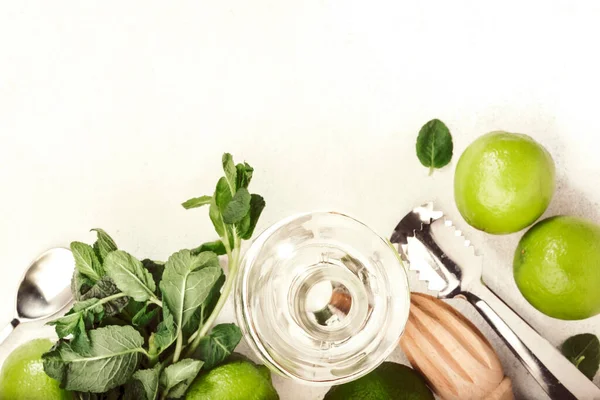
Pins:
x: 557, y: 267
x: 503, y: 182
x: 237, y: 380
x: 388, y: 381
x: 23, y: 377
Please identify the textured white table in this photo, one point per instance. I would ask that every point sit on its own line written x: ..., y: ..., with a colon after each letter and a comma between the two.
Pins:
x: 112, y: 113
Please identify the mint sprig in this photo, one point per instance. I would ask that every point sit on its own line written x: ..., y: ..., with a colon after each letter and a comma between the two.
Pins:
x: 144, y: 329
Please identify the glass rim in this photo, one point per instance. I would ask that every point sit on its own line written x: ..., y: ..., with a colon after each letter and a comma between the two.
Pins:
x: 253, y: 338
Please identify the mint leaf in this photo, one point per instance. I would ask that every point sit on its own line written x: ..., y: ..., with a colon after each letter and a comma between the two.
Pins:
x: 80, y: 284
x: 85, y: 312
x: 196, y: 202
x: 187, y: 282
x: 165, y: 335
x: 219, y: 344
x: 434, y: 145
x: 216, y: 247
x: 80, y: 339
x: 144, y: 384
x: 222, y: 229
x: 144, y: 316
x: 208, y: 306
x: 244, y: 175
x: 223, y: 194
x: 130, y: 276
x: 204, y: 311
x: 238, y: 207
x: 86, y: 261
x: 245, y: 228
x: 230, y: 171
x: 215, y: 216
x: 103, y: 288
x: 113, y: 356
x: 584, y: 351
x: 176, y: 378
x: 156, y: 268
x: 133, y: 307
x: 104, y: 244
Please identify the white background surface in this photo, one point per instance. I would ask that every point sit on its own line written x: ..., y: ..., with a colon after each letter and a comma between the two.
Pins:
x: 112, y: 113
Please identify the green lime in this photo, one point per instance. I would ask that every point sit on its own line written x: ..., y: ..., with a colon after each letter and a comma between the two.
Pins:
x: 23, y: 377
x: 557, y: 267
x: 388, y: 381
x: 503, y: 182
x: 237, y: 380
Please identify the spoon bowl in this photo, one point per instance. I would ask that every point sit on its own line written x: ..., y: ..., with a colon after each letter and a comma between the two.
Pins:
x: 45, y: 288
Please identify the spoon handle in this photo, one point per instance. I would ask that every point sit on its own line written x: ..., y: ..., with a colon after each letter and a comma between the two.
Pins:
x: 7, y: 330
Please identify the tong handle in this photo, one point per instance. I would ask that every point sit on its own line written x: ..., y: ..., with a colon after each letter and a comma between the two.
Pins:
x: 557, y: 376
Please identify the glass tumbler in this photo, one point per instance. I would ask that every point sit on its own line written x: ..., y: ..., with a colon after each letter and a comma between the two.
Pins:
x: 321, y: 298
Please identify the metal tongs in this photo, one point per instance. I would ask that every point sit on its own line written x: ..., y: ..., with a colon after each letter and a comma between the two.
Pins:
x: 445, y: 259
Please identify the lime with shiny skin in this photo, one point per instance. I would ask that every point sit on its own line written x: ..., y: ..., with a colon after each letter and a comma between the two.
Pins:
x: 237, y: 380
x: 388, y: 381
x: 23, y: 377
x: 557, y: 267
x: 503, y: 182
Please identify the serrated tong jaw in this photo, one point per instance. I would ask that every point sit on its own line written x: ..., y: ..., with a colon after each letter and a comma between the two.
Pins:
x: 430, y: 244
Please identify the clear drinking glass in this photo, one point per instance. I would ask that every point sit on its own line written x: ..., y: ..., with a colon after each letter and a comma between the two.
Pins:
x: 321, y: 298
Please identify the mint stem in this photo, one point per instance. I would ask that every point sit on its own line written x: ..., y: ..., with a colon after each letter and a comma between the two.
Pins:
x: 579, y: 360
x: 178, y: 346
x: 231, y: 277
x: 156, y: 301
x: 108, y: 299
x: 111, y: 298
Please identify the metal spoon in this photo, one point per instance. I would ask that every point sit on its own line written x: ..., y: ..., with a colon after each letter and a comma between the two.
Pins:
x: 44, y: 290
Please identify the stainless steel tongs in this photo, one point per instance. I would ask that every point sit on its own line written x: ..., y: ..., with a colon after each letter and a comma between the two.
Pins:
x: 445, y: 259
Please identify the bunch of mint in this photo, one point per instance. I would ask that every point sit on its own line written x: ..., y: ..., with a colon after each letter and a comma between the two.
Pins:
x: 144, y: 329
